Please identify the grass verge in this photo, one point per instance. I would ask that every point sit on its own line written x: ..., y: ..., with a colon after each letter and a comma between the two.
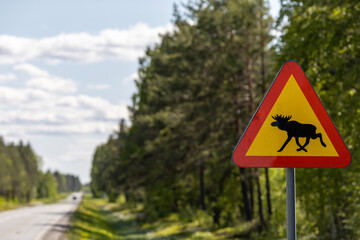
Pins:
x: 8, y: 205
x: 58, y: 197
x: 90, y: 221
x: 97, y: 219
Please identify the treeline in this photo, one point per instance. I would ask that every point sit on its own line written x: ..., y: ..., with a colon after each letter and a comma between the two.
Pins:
x: 197, y: 90
x: 21, y: 179
x: 50, y: 184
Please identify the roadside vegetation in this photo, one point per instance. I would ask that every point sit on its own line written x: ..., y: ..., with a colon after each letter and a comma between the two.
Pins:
x: 91, y: 220
x: 8, y: 205
x: 196, y: 91
x: 22, y: 182
x: 96, y: 218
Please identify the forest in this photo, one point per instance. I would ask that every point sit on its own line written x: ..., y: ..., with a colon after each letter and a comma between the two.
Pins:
x: 22, y: 180
x: 196, y: 92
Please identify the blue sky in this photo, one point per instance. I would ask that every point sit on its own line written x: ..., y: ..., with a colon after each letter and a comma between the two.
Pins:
x: 67, y: 70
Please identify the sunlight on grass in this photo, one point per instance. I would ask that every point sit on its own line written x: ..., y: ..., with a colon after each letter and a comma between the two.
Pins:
x: 8, y: 205
x: 98, y: 219
x: 88, y: 221
x: 163, y: 232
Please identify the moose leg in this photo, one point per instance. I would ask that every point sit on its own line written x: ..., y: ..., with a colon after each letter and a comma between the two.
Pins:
x: 302, y: 147
x: 321, y: 140
x: 285, y: 143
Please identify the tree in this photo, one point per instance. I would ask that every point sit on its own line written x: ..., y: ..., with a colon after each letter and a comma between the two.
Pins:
x: 103, y: 173
x: 323, y: 37
x: 47, y: 187
x: 196, y: 91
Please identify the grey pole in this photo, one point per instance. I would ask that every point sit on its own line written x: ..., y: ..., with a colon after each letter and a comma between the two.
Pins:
x: 290, y: 204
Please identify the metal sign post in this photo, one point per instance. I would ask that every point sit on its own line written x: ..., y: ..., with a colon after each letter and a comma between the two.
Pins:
x: 290, y: 204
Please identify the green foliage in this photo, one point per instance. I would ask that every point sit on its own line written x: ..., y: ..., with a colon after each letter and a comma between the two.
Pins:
x: 47, y: 187
x: 90, y: 222
x: 98, y: 219
x: 195, y: 94
x: 197, y: 90
x: 18, y: 171
x: 194, y: 87
x: 103, y: 173
x: 51, y: 184
x: 21, y: 180
x: 323, y: 37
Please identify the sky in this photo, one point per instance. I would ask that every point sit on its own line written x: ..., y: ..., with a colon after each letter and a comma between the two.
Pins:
x: 67, y: 71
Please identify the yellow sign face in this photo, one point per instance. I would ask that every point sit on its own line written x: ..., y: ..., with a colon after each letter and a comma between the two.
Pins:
x: 291, y: 108
x: 291, y: 128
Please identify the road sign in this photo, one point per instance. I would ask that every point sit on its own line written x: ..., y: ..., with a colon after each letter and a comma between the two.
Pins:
x: 291, y: 128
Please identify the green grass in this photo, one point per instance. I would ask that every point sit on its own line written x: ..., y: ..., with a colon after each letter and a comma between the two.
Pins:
x: 58, y: 197
x: 8, y: 205
x: 99, y: 220
x: 90, y: 221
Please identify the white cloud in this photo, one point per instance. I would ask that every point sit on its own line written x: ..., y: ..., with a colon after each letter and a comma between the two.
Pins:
x: 52, y: 84
x: 16, y: 49
x: 7, y: 77
x: 126, y: 45
x: 31, y: 70
x: 64, y: 129
x: 48, y: 110
x: 41, y: 79
x: 130, y: 78
x: 11, y: 96
x: 64, y: 114
x: 98, y: 86
x: 50, y: 104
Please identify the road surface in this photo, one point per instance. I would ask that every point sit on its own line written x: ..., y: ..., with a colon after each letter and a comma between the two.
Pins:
x: 41, y: 222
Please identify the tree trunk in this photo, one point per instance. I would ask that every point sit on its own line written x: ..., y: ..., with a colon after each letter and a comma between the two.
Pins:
x: 243, y: 177
x: 202, y: 186
x: 216, y: 215
x: 332, y: 219
x: 175, y: 205
x: 251, y: 107
x: 127, y: 198
x: 251, y: 189
x: 263, y: 90
x: 244, y: 191
x: 28, y: 196
x: 268, y: 199
x: 262, y: 48
x: 260, y: 207
x: 13, y: 194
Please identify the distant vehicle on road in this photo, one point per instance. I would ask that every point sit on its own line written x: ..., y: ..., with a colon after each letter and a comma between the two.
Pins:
x: 74, y: 197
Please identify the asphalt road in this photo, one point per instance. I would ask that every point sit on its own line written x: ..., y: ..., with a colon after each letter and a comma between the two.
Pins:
x: 41, y: 222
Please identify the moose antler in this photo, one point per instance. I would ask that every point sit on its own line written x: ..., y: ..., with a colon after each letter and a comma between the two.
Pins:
x: 277, y: 117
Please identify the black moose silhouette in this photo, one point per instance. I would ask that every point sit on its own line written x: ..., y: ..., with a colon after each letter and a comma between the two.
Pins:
x: 296, y: 130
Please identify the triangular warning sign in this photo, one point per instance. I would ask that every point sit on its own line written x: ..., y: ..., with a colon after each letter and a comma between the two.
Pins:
x: 291, y: 128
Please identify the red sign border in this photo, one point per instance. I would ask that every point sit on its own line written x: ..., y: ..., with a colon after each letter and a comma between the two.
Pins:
x: 291, y: 68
